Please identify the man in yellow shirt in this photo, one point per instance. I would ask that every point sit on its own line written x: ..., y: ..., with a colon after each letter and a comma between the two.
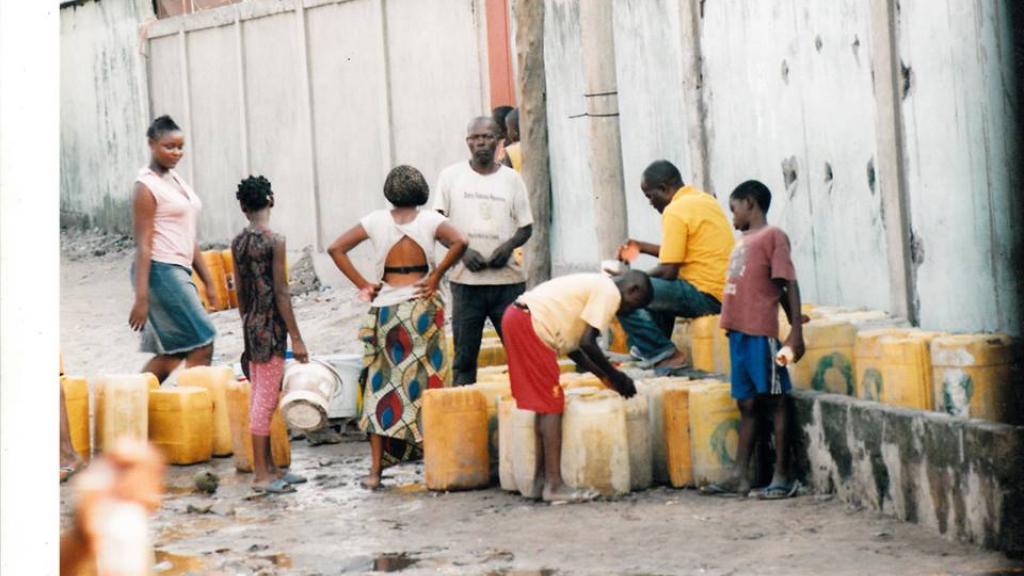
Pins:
x: 693, y: 257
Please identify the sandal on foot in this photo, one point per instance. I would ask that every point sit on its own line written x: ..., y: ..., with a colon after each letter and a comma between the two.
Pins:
x: 292, y: 478
x: 717, y: 490
x: 780, y: 491
x: 66, y: 472
x: 371, y: 485
x: 278, y: 486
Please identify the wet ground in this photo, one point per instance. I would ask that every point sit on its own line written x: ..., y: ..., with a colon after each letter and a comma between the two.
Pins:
x: 332, y: 526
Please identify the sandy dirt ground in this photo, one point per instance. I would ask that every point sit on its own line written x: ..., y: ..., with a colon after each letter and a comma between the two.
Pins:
x: 331, y: 526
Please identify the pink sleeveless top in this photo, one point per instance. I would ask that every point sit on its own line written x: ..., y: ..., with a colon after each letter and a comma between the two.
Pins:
x: 174, y: 223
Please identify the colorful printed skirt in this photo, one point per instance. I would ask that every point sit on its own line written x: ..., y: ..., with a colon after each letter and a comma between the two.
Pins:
x: 404, y: 354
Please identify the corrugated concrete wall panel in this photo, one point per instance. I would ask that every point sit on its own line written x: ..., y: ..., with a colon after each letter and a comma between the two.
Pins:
x: 279, y: 139
x: 167, y: 92
x: 435, y: 78
x: 573, y: 241
x: 103, y: 111
x: 962, y: 132
x: 648, y: 63
x: 790, y: 102
x: 349, y: 115
x: 216, y: 135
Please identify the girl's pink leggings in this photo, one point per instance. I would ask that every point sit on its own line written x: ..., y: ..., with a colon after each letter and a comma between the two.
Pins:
x: 266, y: 387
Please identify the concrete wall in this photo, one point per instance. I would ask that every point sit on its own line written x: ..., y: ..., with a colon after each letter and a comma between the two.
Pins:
x: 961, y: 116
x: 960, y: 477
x: 790, y: 100
x: 103, y: 111
x: 323, y: 104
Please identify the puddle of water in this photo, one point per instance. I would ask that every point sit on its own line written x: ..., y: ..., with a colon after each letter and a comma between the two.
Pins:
x: 382, y: 563
x: 168, y: 564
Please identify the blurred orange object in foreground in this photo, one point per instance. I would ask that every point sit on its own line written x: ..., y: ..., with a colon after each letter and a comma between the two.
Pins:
x: 113, y: 500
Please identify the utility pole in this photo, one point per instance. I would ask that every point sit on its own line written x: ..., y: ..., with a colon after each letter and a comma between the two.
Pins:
x: 602, y: 99
x: 533, y: 134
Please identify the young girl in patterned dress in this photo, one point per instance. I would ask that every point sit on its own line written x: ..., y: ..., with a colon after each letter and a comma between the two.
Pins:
x: 267, y: 321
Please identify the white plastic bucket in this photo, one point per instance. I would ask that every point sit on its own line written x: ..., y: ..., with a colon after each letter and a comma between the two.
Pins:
x: 307, y: 393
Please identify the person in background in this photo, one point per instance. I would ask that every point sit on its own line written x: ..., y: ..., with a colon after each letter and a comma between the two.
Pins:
x: 489, y: 204
x: 167, y: 309
x: 264, y: 303
x: 692, y: 261
x: 513, y: 152
x: 761, y: 276
x: 403, y: 332
x: 565, y: 315
x: 500, y: 115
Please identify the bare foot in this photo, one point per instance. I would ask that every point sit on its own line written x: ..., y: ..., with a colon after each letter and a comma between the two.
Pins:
x: 566, y: 495
x: 370, y: 482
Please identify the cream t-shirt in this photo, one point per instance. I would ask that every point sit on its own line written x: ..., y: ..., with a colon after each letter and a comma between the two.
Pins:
x: 384, y: 233
x: 488, y: 209
x: 563, y: 308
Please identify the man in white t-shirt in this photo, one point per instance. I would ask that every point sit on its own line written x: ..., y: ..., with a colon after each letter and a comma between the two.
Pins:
x: 488, y: 203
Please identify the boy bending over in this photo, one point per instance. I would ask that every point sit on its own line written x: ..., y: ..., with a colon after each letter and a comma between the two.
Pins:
x: 565, y: 315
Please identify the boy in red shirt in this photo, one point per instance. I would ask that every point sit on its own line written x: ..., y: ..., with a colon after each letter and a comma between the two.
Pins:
x: 761, y: 276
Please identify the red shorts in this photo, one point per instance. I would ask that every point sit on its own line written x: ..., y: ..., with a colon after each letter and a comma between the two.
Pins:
x: 532, y: 365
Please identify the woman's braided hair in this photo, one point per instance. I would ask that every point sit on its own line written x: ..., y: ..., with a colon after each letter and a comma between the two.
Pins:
x: 254, y: 193
x: 405, y: 186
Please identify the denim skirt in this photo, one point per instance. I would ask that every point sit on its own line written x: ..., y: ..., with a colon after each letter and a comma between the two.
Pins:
x: 177, y: 322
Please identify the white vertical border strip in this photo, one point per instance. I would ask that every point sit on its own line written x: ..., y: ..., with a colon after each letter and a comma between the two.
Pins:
x: 29, y: 285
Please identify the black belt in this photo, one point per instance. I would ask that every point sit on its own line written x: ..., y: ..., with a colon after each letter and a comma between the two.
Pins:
x: 423, y: 268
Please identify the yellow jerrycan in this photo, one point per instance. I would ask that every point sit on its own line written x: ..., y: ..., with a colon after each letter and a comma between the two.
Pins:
x: 76, y: 405
x: 122, y: 407
x: 215, y: 379
x: 181, y: 423
x: 714, y: 432
x: 977, y: 376
x: 827, y: 365
x: 595, y: 448
x: 710, y: 345
x: 653, y: 389
x: 455, y: 441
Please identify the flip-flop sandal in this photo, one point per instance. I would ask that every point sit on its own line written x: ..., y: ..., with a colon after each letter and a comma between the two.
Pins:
x: 68, y: 471
x: 293, y: 478
x: 716, y: 490
x: 780, y: 491
x: 278, y: 486
x: 578, y: 496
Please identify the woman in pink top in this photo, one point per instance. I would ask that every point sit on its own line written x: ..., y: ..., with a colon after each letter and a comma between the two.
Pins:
x: 167, y: 308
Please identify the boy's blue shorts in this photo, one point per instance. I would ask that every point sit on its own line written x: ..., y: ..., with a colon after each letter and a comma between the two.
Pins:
x: 754, y: 370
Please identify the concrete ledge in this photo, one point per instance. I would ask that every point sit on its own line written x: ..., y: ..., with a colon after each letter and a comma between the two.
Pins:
x: 962, y: 477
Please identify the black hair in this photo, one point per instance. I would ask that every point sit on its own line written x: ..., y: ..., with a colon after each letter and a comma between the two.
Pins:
x: 160, y: 126
x: 499, y: 114
x: 405, y: 187
x: 637, y: 278
x: 663, y: 173
x: 254, y: 193
x: 754, y: 191
x: 512, y: 118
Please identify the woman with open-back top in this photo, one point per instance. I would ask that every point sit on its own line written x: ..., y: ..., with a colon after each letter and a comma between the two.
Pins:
x: 403, y: 333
